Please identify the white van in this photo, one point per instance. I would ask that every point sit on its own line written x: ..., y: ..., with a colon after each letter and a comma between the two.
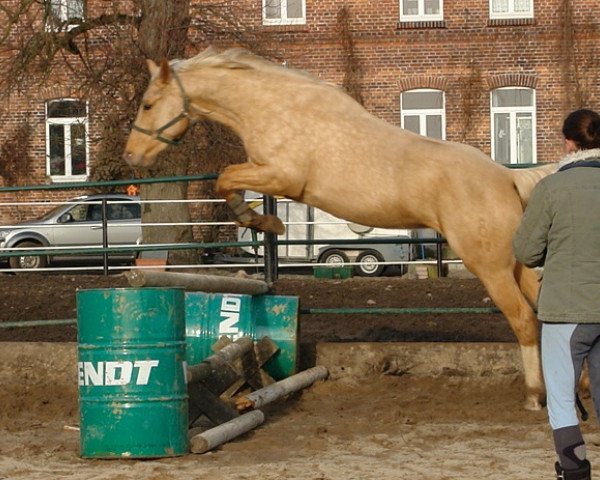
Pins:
x: 305, y: 223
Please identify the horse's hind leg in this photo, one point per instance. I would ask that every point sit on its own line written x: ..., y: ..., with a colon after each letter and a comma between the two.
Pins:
x: 505, y: 292
x: 529, y: 281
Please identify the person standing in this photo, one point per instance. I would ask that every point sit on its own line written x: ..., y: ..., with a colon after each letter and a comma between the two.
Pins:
x: 560, y: 230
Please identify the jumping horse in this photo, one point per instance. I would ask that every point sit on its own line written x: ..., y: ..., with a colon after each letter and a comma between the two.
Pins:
x: 309, y: 141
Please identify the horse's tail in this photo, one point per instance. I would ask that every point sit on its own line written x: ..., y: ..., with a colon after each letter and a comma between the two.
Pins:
x: 527, y: 178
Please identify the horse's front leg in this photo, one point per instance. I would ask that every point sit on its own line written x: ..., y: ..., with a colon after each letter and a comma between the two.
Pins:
x: 236, y: 178
x: 247, y: 217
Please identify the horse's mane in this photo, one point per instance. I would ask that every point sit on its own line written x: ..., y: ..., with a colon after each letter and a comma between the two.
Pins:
x: 238, y: 58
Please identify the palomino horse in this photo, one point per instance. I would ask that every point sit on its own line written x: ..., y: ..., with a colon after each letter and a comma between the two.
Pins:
x: 309, y: 141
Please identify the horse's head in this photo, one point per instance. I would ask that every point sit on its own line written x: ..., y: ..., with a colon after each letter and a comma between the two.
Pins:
x: 162, y: 118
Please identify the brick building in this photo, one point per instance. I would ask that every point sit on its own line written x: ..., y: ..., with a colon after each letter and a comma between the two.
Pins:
x: 497, y: 74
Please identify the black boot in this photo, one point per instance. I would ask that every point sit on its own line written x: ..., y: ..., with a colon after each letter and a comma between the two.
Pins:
x: 584, y: 472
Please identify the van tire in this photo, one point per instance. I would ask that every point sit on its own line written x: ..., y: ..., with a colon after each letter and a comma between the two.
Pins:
x: 334, y: 257
x: 368, y: 264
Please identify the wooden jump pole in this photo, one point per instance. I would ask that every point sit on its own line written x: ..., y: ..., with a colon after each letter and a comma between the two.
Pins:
x: 205, y: 441
x: 196, y: 282
x: 296, y: 382
x: 212, y: 364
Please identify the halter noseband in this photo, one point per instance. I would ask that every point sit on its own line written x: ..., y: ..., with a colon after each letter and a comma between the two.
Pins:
x: 185, y: 113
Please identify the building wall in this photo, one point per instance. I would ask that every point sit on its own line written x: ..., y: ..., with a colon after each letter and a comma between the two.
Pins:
x: 466, y: 56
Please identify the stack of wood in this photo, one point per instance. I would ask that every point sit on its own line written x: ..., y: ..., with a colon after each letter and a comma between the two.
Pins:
x: 217, y: 390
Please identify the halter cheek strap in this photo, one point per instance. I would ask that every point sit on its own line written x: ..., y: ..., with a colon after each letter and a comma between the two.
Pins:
x: 157, y: 134
x: 185, y: 113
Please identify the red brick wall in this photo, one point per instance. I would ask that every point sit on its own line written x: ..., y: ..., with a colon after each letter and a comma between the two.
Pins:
x: 469, y: 45
x: 467, y: 57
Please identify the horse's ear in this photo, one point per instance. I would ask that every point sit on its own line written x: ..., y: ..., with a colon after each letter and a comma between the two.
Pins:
x: 165, y: 71
x: 152, y: 67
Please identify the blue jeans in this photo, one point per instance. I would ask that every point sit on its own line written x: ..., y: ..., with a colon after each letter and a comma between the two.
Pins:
x: 565, y: 346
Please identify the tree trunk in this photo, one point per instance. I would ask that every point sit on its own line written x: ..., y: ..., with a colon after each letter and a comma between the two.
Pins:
x: 163, y: 34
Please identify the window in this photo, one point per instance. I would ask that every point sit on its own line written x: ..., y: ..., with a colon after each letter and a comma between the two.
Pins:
x: 284, y: 12
x: 421, y: 10
x: 66, y: 139
x: 63, y: 14
x: 124, y: 211
x: 513, y: 125
x: 501, y: 9
x: 116, y: 210
x: 422, y: 112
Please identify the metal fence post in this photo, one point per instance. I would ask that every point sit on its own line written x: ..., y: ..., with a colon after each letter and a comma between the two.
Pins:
x: 105, y: 236
x: 270, y: 243
x: 439, y: 255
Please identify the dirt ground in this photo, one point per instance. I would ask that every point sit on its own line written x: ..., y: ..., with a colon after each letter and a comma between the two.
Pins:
x: 380, y: 426
x: 32, y: 297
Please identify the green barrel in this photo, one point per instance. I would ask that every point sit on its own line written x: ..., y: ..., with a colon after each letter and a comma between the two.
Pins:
x: 209, y: 316
x: 276, y: 317
x: 133, y: 398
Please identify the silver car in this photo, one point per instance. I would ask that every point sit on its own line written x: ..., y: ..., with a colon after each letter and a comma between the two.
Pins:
x: 76, y: 224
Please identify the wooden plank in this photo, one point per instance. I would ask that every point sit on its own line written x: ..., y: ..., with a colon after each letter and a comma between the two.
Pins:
x: 196, y: 282
x: 279, y: 389
x: 250, y: 366
x: 205, y: 441
x: 203, y: 401
x: 227, y: 354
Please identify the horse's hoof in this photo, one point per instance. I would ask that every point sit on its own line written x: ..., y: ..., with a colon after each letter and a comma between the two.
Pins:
x: 264, y: 223
x: 272, y: 224
x: 533, y: 403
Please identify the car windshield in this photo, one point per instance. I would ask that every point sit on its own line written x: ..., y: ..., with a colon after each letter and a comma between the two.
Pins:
x: 49, y: 214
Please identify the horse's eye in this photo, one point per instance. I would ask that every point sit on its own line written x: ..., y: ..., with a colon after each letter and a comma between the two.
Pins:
x: 146, y: 106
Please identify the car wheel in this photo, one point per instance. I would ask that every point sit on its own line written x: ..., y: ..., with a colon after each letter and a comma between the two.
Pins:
x: 334, y: 257
x: 368, y: 264
x: 28, y: 261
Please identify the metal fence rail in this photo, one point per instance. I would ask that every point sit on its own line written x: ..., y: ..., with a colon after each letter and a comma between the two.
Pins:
x: 270, y: 262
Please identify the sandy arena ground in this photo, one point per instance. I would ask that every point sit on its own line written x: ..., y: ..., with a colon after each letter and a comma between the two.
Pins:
x: 371, y: 421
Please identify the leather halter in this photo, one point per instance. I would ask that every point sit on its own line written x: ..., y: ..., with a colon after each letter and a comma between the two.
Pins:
x: 185, y: 113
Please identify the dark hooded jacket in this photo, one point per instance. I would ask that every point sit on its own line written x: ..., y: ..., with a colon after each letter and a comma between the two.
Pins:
x: 560, y: 231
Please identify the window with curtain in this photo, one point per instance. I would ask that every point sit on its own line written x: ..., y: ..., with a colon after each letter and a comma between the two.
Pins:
x: 500, y: 9
x: 422, y: 111
x: 284, y: 12
x: 66, y: 139
x: 513, y: 125
x: 421, y: 10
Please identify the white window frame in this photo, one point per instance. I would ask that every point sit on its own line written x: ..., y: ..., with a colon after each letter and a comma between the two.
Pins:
x: 422, y: 16
x: 424, y: 112
x: 283, y: 20
x: 63, y: 16
x: 512, y: 112
x: 67, y: 122
x: 511, y: 11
